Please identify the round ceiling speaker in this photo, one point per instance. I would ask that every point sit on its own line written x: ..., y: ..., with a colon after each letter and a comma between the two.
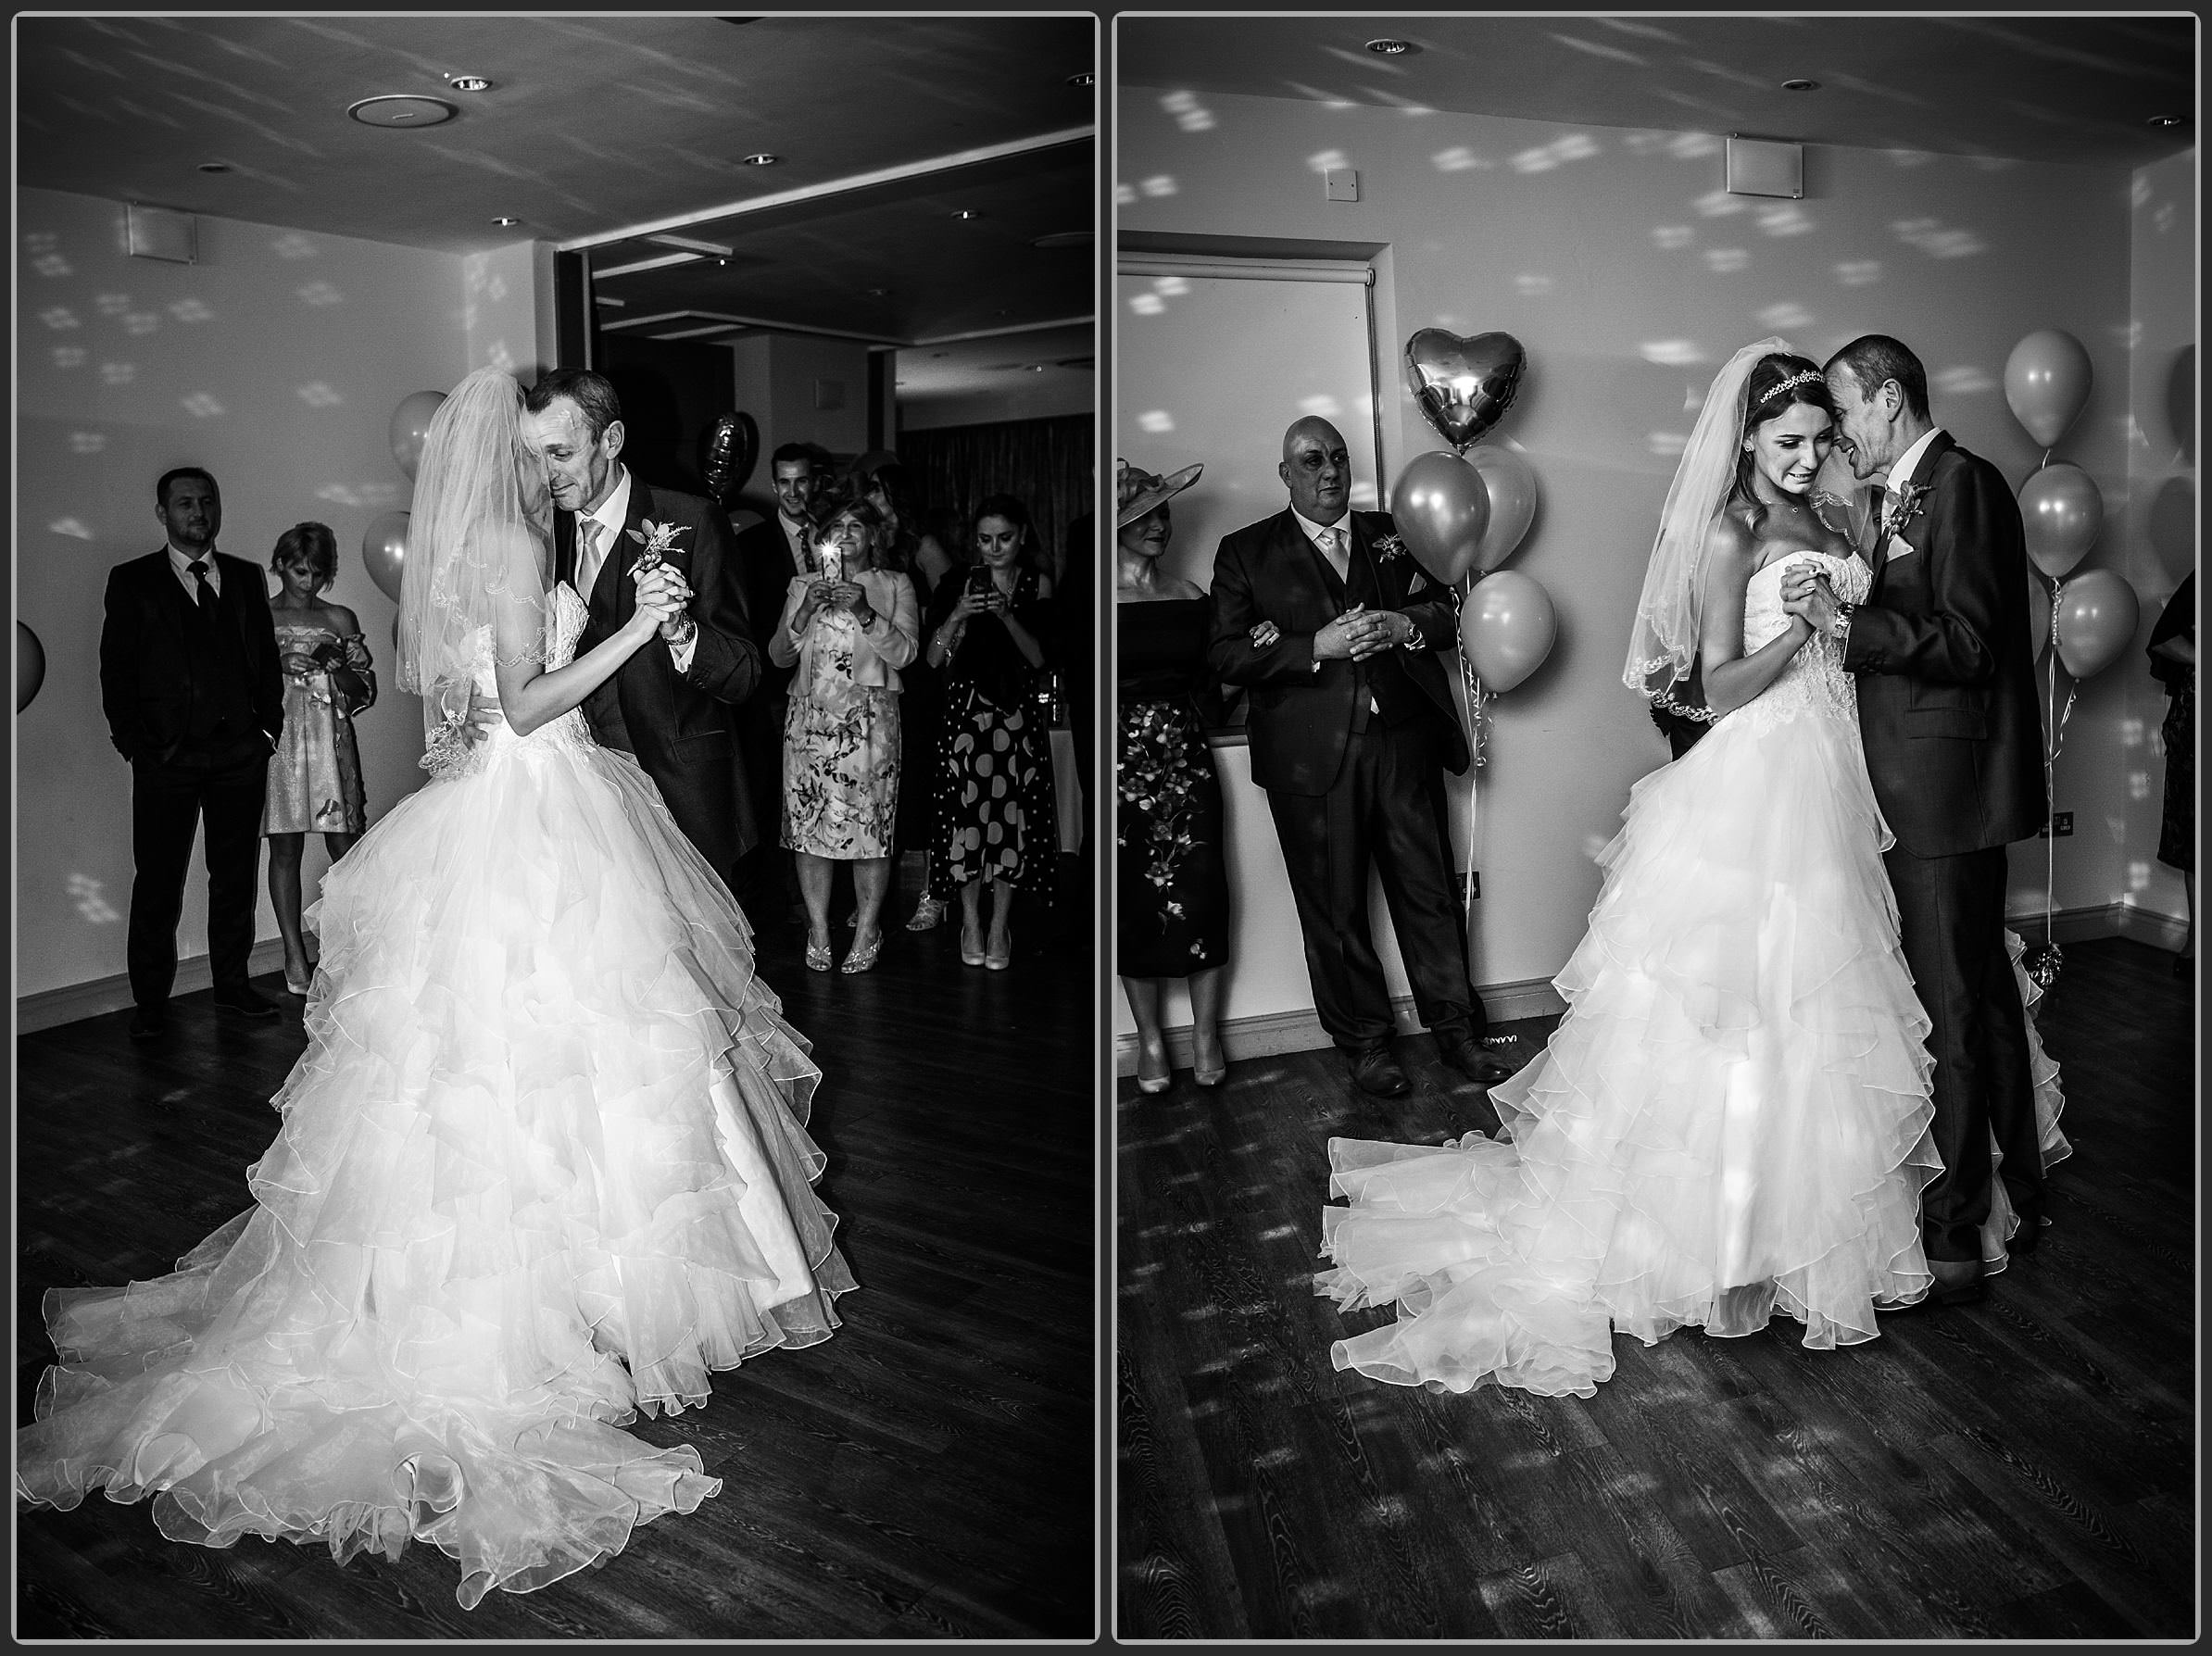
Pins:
x: 402, y: 110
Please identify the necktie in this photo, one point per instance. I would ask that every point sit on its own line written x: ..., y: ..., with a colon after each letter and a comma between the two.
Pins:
x: 1332, y: 548
x: 206, y: 593
x: 587, y: 564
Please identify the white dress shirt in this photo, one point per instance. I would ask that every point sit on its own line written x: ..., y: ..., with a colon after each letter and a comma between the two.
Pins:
x: 610, y: 515
x: 1901, y: 474
x: 182, y: 561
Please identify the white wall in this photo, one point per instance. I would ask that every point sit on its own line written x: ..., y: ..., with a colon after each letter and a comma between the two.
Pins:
x: 2154, y: 543
x: 1629, y: 276
x: 275, y: 361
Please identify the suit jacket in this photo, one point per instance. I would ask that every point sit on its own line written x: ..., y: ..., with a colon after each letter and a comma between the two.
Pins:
x: 147, y: 687
x: 676, y: 726
x: 1301, y: 719
x: 1946, y: 666
x: 766, y: 569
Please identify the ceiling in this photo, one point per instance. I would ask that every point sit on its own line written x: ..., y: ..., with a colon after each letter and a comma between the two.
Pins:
x: 2030, y: 88
x: 595, y: 129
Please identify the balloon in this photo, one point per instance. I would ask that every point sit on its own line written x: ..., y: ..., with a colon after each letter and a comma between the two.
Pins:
x: 727, y: 450
x: 410, y: 424
x: 1511, y: 483
x: 1507, y: 627
x: 1463, y: 385
x: 2063, y: 514
x: 2095, y: 622
x: 2046, y: 381
x: 384, y: 552
x: 1441, y: 508
x: 2039, y: 616
x: 31, y: 666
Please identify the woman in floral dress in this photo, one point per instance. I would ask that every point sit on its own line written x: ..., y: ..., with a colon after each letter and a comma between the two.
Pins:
x: 847, y: 628
x: 1171, y: 883
x: 315, y: 775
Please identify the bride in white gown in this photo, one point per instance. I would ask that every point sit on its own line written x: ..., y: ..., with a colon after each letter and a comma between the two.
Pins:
x: 542, y: 1165
x: 1733, y: 1116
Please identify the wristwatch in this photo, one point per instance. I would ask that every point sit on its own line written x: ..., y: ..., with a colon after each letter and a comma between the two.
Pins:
x: 690, y: 630
x: 1840, y: 629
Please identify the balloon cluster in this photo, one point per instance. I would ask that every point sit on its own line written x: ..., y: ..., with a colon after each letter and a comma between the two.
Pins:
x: 384, y: 547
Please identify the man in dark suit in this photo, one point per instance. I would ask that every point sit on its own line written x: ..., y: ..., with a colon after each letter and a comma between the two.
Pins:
x: 769, y: 555
x: 1953, y: 741
x: 1322, y: 613
x: 195, y: 700
x: 668, y: 706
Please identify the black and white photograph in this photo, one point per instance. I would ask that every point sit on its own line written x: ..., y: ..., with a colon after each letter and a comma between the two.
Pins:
x: 1654, y: 826
x: 557, y: 929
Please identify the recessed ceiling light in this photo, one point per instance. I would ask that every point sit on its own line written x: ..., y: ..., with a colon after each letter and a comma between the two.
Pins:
x: 1801, y: 85
x: 967, y: 213
x: 762, y: 159
x: 1037, y: 368
x: 504, y: 222
x: 402, y: 110
x: 1064, y: 238
x: 877, y: 293
x: 1388, y: 47
x: 215, y: 166
x: 2167, y: 120
x: 1084, y: 79
x: 468, y: 83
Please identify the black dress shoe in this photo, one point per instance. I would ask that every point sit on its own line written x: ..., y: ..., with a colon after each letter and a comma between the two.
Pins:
x: 1465, y: 1054
x: 1375, y: 1070
x: 246, y: 1003
x: 149, y: 1022
x: 1957, y: 1281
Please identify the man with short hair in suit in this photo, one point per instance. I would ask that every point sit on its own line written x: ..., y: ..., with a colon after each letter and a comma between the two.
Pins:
x: 1954, y: 742
x: 1321, y: 611
x: 195, y: 700
x: 666, y: 706
x: 770, y: 553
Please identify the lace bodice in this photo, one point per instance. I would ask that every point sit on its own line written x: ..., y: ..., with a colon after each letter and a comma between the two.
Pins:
x: 564, y: 626
x: 1814, y: 680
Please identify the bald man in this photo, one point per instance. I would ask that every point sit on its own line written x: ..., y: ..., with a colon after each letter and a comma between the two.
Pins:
x: 1322, y: 613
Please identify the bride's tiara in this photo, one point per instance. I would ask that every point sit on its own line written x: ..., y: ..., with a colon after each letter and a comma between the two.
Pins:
x: 1804, y: 377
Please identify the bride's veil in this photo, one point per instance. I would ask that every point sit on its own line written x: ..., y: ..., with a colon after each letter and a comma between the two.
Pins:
x: 1662, y: 649
x: 479, y: 548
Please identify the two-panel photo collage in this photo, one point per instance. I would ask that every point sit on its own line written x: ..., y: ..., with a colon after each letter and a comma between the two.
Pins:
x: 1073, y: 827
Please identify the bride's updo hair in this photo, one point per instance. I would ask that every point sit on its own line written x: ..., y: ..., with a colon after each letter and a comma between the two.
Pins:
x: 1776, y: 382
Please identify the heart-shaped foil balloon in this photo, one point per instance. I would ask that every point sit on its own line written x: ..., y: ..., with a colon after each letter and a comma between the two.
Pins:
x: 1463, y: 385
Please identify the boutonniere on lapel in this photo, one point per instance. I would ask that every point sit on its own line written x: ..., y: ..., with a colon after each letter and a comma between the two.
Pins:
x: 1904, y: 507
x: 1389, y: 550
x: 659, y: 540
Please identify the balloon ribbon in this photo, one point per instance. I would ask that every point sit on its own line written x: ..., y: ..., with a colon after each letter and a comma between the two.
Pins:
x: 1473, y: 688
x: 2054, y: 737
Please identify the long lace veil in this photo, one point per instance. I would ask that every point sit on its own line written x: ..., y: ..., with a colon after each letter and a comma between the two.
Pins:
x: 1662, y: 647
x: 474, y: 586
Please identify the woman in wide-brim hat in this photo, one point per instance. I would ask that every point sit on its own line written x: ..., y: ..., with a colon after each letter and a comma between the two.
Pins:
x: 1170, y: 877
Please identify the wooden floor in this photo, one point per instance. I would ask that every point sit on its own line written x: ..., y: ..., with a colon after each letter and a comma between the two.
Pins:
x: 2020, y: 1469
x: 930, y: 1472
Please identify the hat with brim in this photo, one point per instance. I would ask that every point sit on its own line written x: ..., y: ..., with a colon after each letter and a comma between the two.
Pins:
x: 1141, y: 491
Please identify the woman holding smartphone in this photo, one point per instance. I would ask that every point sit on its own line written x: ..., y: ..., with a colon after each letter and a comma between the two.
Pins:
x: 992, y: 804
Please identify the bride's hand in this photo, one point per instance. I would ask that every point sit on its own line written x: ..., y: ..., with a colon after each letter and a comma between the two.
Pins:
x: 661, y: 595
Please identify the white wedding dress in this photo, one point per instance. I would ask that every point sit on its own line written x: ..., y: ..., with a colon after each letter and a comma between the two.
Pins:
x: 1733, y: 1116
x: 542, y: 1165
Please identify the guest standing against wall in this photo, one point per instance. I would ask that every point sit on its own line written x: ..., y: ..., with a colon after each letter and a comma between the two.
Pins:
x: 315, y: 776
x: 1321, y: 611
x: 993, y: 800
x: 1171, y: 887
x: 2173, y: 663
x: 195, y: 700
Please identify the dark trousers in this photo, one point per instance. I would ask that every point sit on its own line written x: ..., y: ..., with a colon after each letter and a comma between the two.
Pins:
x: 1952, y: 915
x: 167, y: 803
x: 766, y: 883
x: 1386, y: 812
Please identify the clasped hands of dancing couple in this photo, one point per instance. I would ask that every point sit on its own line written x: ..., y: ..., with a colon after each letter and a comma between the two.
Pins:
x: 1795, y: 1073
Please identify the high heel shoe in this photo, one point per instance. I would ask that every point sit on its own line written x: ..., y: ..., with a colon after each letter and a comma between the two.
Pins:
x: 928, y: 914
x: 863, y: 954
x: 818, y: 956
x: 300, y: 986
x: 1152, y: 1083
x: 998, y: 960
x: 971, y: 952
x: 1213, y: 1077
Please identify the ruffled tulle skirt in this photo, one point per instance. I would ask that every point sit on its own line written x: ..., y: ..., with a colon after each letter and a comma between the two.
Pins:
x: 1731, y: 1120
x: 543, y: 1165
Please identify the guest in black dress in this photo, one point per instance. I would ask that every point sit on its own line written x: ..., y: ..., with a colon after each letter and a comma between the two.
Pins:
x: 992, y: 802
x: 1171, y: 882
x: 2173, y: 663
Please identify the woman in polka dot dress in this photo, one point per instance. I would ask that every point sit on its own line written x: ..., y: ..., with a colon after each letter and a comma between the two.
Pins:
x: 992, y: 801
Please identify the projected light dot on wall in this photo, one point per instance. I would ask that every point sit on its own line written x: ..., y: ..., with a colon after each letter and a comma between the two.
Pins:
x: 52, y: 264
x: 69, y: 355
x: 191, y: 310
x: 119, y: 373
x: 1459, y: 159
x: 319, y: 294
x: 1156, y: 422
x: 1859, y: 272
x: 316, y: 394
x: 1672, y: 238
x: 89, y: 897
x: 201, y: 406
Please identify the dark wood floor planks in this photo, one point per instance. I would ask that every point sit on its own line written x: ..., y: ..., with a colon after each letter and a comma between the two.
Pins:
x: 2020, y: 1469
x: 927, y: 1473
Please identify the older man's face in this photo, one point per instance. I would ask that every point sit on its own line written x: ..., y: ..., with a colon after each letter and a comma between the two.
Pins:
x: 1316, y: 469
x: 580, y: 468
